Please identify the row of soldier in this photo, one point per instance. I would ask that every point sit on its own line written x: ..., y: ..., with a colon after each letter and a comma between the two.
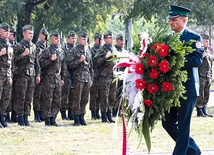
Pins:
x: 56, y: 78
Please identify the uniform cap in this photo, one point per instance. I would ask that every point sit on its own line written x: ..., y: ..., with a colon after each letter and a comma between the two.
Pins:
x: 44, y: 31
x: 54, y: 33
x: 97, y: 35
x: 205, y: 36
x: 119, y: 37
x: 28, y: 27
x: 82, y: 34
x: 5, y: 26
x: 71, y: 33
x: 107, y: 33
x: 12, y: 30
x: 175, y: 11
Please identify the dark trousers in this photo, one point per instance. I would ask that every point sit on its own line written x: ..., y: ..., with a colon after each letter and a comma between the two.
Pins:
x: 177, y: 124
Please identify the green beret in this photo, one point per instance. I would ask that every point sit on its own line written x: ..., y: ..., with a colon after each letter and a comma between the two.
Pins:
x: 82, y: 34
x: 175, y: 11
x: 5, y: 26
x: 44, y: 31
x: 107, y: 33
x: 54, y: 33
x: 71, y: 34
x: 205, y: 36
x: 97, y: 35
x: 119, y: 37
x: 27, y: 27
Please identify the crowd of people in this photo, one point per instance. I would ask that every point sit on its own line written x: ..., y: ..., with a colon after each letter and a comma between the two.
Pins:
x: 57, y: 77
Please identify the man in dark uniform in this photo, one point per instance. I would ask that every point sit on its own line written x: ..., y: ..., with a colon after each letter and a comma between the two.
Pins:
x: 94, y: 99
x: 37, y: 107
x: 27, y: 67
x: 6, y: 58
x: 66, y: 99
x: 107, y: 88
x: 177, y: 121
x: 53, y: 74
x: 205, y: 78
x: 80, y: 61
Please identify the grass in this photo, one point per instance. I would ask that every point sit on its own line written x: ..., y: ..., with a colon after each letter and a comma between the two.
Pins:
x: 95, y: 138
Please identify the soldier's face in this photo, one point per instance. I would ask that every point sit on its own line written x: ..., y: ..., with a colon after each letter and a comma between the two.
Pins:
x: 28, y: 35
x: 109, y: 40
x: 42, y: 38
x: 82, y: 41
x: 120, y: 43
x: 4, y: 34
x: 55, y: 40
x: 97, y: 42
x: 11, y: 36
x: 177, y: 24
x: 206, y: 43
x: 72, y: 40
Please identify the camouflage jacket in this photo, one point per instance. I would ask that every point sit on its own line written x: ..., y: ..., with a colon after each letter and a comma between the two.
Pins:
x: 105, y: 65
x: 7, y: 59
x: 40, y: 46
x: 82, y: 71
x: 28, y: 64
x: 93, y: 52
x: 56, y: 68
x: 205, y: 70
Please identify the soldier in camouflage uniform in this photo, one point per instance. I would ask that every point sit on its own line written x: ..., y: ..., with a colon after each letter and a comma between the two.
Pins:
x: 80, y: 61
x: 53, y: 73
x: 107, y: 88
x: 94, y: 99
x: 6, y: 56
x: 27, y: 67
x: 66, y: 102
x: 41, y: 44
x: 205, y: 77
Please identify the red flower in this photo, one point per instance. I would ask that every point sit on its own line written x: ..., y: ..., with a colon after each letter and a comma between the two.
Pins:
x: 153, y: 61
x: 164, y: 66
x: 140, y: 84
x: 152, y: 88
x: 139, y: 68
x: 167, y: 86
x: 162, y: 49
x: 148, y: 103
x: 153, y: 74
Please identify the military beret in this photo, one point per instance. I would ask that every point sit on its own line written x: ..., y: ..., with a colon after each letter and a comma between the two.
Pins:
x: 5, y: 26
x: 205, y: 36
x: 12, y: 30
x: 175, y: 11
x: 82, y: 34
x: 119, y: 37
x: 107, y: 33
x: 27, y: 27
x: 44, y: 31
x: 71, y: 33
x: 54, y: 33
x: 97, y: 35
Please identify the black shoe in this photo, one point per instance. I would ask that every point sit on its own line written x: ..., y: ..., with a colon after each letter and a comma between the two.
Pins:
x: 7, y: 118
x: 70, y: 115
x: 93, y: 115
x: 2, y: 120
x: 26, y: 120
x: 47, y: 121
x: 53, y: 122
x: 21, y: 121
x: 104, y: 117
x: 37, y: 116
x: 109, y: 116
x: 76, y: 120
x: 204, y: 110
x: 200, y: 112
x: 14, y: 117
x: 63, y: 115
x: 97, y: 114
x: 82, y: 120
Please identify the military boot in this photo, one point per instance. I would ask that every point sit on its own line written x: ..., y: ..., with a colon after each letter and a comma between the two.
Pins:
x: 200, y: 112
x: 104, y: 117
x: 63, y: 115
x: 93, y: 114
x: 204, y: 110
x: 47, y: 121
x: 82, y: 120
x: 109, y: 116
x: 36, y: 116
x: 53, y: 121
x: 7, y: 118
x: 76, y: 120
x: 97, y: 114
x: 41, y: 115
x: 21, y: 120
x: 2, y: 120
x: 14, y: 117
x: 26, y: 120
x: 70, y: 115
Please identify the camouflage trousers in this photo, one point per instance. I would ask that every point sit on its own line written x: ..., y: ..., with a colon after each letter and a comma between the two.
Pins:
x: 80, y: 96
x: 5, y: 94
x: 37, y: 104
x: 94, y: 100
x: 107, y: 93
x: 65, y: 94
x: 51, y: 96
x: 204, y: 92
x: 23, y: 94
